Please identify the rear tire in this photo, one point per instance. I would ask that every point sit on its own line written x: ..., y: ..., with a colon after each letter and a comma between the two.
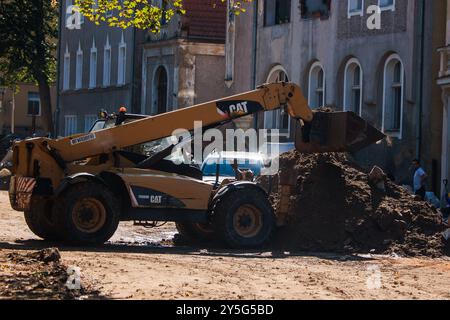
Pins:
x: 40, y: 220
x: 244, y: 218
x: 87, y: 214
x: 195, y: 232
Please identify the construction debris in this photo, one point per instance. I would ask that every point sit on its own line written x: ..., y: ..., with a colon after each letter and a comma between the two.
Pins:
x: 337, y: 206
x: 38, y: 275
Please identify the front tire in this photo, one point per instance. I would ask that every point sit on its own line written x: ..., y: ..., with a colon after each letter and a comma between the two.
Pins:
x: 244, y: 218
x: 87, y: 214
x: 40, y: 220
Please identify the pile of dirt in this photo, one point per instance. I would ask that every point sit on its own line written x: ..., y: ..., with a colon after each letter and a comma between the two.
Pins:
x: 335, y: 208
x: 37, y: 275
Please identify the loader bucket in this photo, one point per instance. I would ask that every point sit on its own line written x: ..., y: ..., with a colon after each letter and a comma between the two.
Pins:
x: 335, y: 132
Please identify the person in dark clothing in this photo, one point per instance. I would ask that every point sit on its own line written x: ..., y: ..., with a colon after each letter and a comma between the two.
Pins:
x: 121, y: 116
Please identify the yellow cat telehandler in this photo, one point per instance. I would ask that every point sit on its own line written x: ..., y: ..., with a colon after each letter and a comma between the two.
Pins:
x: 76, y: 189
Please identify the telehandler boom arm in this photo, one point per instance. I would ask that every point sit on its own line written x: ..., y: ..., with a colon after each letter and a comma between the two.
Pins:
x: 321, y: 133
x: 265, y: 98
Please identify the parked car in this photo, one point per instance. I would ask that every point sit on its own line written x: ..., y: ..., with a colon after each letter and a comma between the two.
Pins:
x: 272, y: 150
x: 222, y: 163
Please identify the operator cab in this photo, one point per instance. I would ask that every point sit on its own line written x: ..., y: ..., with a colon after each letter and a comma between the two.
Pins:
x: 106, y: 121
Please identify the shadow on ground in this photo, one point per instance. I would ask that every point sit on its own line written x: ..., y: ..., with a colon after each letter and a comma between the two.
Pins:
x: 180, y: 250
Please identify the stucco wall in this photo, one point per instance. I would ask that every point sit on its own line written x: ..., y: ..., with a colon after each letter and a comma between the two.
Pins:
x: 22, y: 121
x: 333, y: 41
x: 209, y: 75
x: 195, y: 73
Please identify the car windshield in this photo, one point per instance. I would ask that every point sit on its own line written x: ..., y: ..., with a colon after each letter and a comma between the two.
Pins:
x: 106, y: 124
x: 225, y: 168
x: 98, y: 125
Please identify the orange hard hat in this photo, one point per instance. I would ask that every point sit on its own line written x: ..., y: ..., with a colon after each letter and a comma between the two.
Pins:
x: 123, y: 109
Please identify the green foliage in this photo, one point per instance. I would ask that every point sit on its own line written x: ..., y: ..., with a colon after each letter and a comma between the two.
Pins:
x: 28, y: 31
x: 142, y: 14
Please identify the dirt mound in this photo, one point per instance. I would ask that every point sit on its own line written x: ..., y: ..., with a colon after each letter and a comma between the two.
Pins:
x: 335, y: 208
x: 37, y: 275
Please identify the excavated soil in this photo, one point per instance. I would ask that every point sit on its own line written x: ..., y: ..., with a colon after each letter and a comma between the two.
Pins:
x: 334, y: 208
x: 37, y: 275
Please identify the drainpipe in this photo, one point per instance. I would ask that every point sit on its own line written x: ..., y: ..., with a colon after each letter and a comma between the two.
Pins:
x: 421, y: 49
x: 132, y: 84
x: 254, y: 48
x: 58, y: 66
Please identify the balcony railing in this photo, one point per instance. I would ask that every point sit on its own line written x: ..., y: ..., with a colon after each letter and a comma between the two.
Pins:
x: 444, y: 71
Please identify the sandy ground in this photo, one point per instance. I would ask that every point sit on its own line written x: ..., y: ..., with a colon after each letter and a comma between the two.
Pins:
x: 141, y: 263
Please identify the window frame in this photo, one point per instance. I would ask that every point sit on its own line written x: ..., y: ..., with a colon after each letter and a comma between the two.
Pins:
x: 276, y: 22
x: 92, y: 70
x: 346, y: 104
x: 318, y: 14
x: 107, y: 75
x: 38, y: 99
x: 122, y: 63
x: 73, y: 117
x: 79, y: 68
x: 275, y: 115
x: 389, y: 86
x: 314, y: 66
x: 354, y: 13
x: 390, y: 7
x: 66, y: 70
x: 155, y: 93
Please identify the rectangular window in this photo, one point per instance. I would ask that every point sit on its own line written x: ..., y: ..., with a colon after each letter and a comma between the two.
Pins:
x: 70, y: 125
x: 89, y: 121
x: 121, y: 64
x: 34, y: 104
x: 66, y: 80
x: 277, y: 12
x: 107, y: 67
x: 386, y: 5
x: 355, y: 8
x: 315, y: 9
x: 93, y: 69
x: 79, y: 70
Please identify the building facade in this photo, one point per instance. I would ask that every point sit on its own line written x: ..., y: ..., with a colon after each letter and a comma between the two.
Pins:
x: 96, y: 71
x: 183, y: 65
x: 444, y: 82
x: 341, y: 57
x: 21, y: 114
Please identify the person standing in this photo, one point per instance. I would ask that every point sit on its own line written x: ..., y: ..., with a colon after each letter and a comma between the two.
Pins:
x: 419, y: 179
x: 121, y: 116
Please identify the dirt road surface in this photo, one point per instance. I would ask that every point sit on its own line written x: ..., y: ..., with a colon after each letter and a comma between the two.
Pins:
x: 141, y: 263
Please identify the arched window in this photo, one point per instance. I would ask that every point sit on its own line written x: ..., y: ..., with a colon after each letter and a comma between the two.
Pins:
x: 316, y: 86
x: 393, y: 96
x: 278, y: 119
x: 160, y: 90
x: 353, y: 78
